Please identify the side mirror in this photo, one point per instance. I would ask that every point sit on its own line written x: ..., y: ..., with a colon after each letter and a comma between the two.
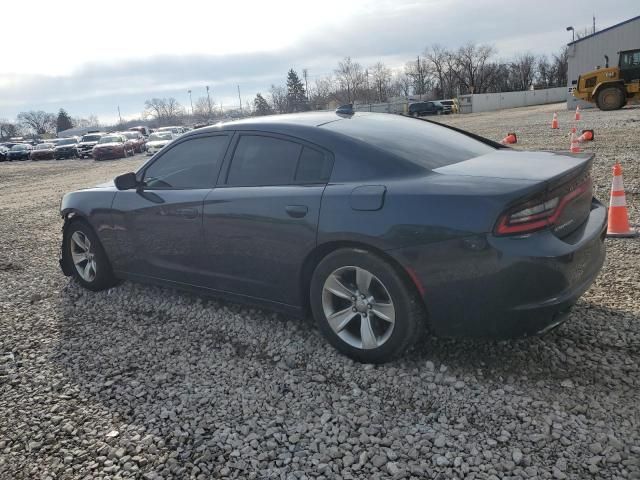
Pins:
x: 126, y: 181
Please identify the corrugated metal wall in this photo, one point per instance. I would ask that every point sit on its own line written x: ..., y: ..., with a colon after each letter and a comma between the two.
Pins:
x: 588, y: 53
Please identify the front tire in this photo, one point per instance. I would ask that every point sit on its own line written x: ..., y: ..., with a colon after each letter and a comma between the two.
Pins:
x: 364, y: 306
x: 89, y: 262
x: 610, y: 98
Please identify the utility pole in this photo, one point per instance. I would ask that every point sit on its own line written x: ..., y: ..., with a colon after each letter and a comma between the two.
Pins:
x: 191, y: 101
x: 240, y: 99
x: 305, y: 74
x: 594, y: 23
x: 209, y: 101
x: 119, y: 116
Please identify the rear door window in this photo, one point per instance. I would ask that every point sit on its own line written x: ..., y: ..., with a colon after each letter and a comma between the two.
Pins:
x: 263, y: 160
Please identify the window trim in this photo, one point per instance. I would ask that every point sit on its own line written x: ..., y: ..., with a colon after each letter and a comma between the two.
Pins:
x: 223, y: 177
x: 140, y: 174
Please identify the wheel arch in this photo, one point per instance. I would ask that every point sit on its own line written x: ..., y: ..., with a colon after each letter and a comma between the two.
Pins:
x: 321, y: 251
x: 614, y: 83
x: 70, y: 216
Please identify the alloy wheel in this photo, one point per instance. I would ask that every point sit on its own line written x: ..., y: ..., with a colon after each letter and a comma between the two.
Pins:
x: 358, y: 307
x: 83, y: 256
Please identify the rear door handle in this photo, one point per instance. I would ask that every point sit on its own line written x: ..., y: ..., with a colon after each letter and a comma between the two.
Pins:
x: 297, y: 211
x: 189, y: 213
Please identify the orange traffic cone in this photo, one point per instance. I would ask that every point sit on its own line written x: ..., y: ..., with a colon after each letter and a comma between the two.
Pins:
x: 618, y: 225
x: 577, y: 113
x: 554, y: 122
x: 575, y: 148
x: 587, y: 136
x: 509, y: 139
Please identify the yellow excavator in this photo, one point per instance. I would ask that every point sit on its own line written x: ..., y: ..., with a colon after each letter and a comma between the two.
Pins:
x: 611, y: 88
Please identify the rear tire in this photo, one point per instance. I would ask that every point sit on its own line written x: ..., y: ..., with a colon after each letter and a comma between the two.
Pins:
x: 88, y: 260
x: 364, y: 307
x: 610, y: 98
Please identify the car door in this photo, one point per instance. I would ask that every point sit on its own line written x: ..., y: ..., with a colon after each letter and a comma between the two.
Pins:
x: 261, y: 220
x: 159, y: 226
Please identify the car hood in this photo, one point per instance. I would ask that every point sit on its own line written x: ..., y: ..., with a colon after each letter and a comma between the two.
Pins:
x: 513, y: 164
x: 109, y: 145
x: 62, y: 147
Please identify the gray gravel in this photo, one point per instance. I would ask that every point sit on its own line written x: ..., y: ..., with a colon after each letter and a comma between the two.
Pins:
x: 146, y: 382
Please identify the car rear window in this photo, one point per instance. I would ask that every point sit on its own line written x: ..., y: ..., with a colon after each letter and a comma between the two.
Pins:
x: 423, y: 143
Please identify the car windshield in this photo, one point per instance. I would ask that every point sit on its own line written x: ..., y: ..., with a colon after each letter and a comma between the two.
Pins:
x: 19, y: 147
x: 67, y: 141
x: 160, y: 136
x: 424, y: 143
x: 91, y: 138
x: 44, y: 146
x: 110, y: 139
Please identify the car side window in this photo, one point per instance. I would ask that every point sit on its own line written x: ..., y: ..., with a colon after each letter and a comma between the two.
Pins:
x: 313, y: 167
x: 261, y: 160
x: 191, y: 164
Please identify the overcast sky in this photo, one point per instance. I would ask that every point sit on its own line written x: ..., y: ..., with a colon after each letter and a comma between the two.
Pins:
x: 90, y: 57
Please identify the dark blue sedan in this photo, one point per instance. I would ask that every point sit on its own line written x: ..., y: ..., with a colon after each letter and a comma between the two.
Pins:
x: 381, y: 226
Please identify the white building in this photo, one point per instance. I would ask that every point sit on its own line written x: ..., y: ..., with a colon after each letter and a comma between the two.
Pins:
x: 587, y: 53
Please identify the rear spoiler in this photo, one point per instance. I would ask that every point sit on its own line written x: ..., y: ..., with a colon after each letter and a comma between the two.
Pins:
x: 479, y: 138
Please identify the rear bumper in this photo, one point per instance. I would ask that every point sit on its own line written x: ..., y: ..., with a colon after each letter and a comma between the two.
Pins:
x: 487, y: 286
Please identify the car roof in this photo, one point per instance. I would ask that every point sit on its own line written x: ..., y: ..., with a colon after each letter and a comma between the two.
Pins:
x: 277, y: 122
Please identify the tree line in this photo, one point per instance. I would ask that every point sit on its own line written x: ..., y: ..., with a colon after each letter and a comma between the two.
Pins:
x: 437, y: 73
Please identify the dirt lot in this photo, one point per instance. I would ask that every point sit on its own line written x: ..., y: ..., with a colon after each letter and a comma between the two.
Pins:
x: 140, y: 381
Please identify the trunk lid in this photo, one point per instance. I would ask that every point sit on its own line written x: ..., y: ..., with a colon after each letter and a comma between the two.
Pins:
x: 562, y: 176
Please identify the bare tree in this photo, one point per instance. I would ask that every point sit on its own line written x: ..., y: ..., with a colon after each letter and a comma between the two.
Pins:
x: 402, y: 83
x: 351, y: 79
x: 8, y: 129
x: 437, y: 55
x: 472, y: 73
x: 523, y: 70
x: 560, y: 67
x: 279, y: 100
x: 381, y: 77
x: 164, y: 110
x: 544, y: 72
x: 420, y: 75
x: 323, y: 92
x: 202, y: 109
x: 39, y: 122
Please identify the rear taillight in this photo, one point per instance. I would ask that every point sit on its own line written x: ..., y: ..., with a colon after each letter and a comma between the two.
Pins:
x: 539, y: 213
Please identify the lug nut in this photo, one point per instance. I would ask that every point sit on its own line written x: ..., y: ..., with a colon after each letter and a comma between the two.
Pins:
x: 354, y: 309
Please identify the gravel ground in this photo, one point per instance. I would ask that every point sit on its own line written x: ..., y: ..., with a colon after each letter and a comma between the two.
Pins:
x: 147, y: 382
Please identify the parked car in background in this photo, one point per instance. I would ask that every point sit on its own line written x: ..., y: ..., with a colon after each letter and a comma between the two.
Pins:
x: 86, y: 144
x: 145, y: 131
x: 112, y: 145
x: 174, y: 130
x: 66, y: 148
x: 43, y: 151
x: 20, y: 151
x: 420, y: 109
x: 380, y: 225
x: 158, y: 140
x: 450, y: 106
x: 137, y: 140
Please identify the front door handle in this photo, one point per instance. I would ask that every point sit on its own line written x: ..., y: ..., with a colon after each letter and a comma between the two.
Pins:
x: 189, y: 213
x: 297, y: 211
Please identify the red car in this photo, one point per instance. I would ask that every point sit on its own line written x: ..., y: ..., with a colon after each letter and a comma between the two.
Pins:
x: 43, y: 151
x: 137, y: 140
x: 112, y: 145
